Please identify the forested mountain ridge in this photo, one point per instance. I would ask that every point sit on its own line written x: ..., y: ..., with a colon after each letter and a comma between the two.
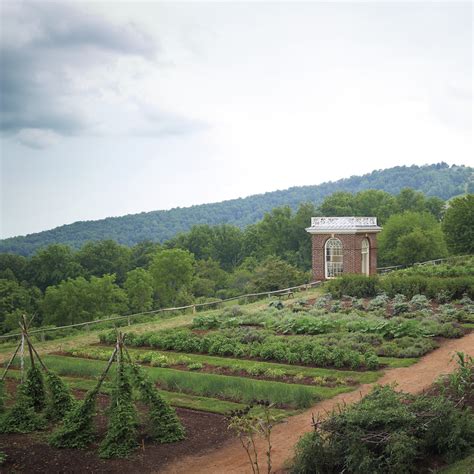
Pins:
x: 439, y: 180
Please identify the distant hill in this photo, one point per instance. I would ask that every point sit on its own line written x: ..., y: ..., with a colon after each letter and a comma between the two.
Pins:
x: 434, y: 180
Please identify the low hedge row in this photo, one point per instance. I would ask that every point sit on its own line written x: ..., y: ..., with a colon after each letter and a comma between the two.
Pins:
x: 361, y: 286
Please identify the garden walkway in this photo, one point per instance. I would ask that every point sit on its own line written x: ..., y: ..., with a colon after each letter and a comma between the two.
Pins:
x: 232, y: 459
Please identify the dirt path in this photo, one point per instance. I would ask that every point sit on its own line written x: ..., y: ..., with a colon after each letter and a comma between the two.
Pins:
x: 231, y: 458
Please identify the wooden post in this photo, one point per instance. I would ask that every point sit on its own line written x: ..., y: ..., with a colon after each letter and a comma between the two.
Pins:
x: 194, y: 309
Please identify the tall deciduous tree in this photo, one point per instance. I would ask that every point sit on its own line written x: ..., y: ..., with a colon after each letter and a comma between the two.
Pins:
x: 105, y: 257
x: 77, y: 300
x: 53, y: 264
x: 458, y: 225
x: 139, y: 288
x: 411, y: 237
x: 172, y: 271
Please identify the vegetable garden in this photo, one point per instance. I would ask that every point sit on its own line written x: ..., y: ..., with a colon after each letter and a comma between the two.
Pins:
x: 286, y: 354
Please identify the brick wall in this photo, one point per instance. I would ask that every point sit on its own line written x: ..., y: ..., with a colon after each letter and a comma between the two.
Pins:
x: 352, y: 255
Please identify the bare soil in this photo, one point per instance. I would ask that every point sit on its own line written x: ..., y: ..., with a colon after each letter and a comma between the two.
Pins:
x: 230, y: 458
x: 30, y: 453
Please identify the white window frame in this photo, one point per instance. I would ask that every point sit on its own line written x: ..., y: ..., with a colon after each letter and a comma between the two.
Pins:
x: 365, y: 257
x: 333, y: 258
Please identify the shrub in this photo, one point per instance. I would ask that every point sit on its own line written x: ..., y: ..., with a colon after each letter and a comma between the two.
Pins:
x: 419, y: 302
x: 22, y: 417
x: 430, y: 286
x: 386, y: 431
x: 359, y: 286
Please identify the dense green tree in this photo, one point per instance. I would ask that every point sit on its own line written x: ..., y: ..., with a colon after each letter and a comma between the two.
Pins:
x: 142, y: 254
x: 411, y: 237
x: 13, y: 267
x: 105, y: 257
x: 53, y: 264
x: 458, y: 225
x: 410, y: 200
x: 338, y: 204
x: 139, y: 288
x: 15, y: 300
x: 275, y: 274
x: 373, y: 202
x: 78, y: 300
x: 172, y: 271
x: 209, y: 277
x: 222, y: 243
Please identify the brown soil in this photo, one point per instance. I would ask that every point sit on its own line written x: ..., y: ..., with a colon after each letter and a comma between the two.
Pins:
x: 230, y: 458
x: 30, y: 453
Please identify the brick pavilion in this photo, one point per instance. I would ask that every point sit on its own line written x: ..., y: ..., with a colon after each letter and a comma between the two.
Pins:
x: 343, y: 245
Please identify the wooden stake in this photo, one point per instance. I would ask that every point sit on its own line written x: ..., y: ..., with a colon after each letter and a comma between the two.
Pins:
x: 36, y: 353
x: 10, y: 362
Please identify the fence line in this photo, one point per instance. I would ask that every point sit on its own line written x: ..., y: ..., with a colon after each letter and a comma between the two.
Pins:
x: 284, y: 291
x: 438, y: 261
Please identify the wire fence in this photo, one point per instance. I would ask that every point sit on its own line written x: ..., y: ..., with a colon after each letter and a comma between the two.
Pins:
x: 438, y: 261
x: 129, y: 317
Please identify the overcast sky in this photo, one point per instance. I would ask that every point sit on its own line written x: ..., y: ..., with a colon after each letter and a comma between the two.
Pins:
x: 110, y: 108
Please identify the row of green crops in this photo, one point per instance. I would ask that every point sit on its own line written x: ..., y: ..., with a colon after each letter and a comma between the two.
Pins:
x: 315, y: 321
x: 176, y: 399
x: 256, y: 345
x: 236, y: 389
x: 330, y: 377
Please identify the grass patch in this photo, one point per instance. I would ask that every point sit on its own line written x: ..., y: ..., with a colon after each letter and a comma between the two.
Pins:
x: 396, y: 362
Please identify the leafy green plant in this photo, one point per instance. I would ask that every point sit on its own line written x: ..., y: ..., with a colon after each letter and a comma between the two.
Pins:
x: 164, y: 424
x: 77, y: 429
x: 22, y: 417
x: 195, y: 366
x: 120, y: 440
x: 419, y: 302
x: 33, y: 387
x: 60, y: 400
x: 387, y: 431
x: 248, y: 427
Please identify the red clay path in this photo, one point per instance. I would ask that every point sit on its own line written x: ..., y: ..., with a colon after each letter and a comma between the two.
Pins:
x: 231, y: 457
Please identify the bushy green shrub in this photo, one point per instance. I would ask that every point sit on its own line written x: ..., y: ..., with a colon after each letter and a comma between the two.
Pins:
x: 22, y: 417
x: 359, y: 286
x: 410, y: 285
x: 386, y: 432
x: 77, y: 429
x: 419, y: 302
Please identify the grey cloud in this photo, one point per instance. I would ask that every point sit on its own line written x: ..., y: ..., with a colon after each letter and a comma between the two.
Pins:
x: 41, y: 46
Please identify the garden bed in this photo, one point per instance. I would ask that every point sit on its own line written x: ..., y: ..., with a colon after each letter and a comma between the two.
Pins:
x: 30, y: 453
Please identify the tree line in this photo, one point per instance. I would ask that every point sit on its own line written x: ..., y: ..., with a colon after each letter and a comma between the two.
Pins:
x: 63, y: 286
x: 439, y: 180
